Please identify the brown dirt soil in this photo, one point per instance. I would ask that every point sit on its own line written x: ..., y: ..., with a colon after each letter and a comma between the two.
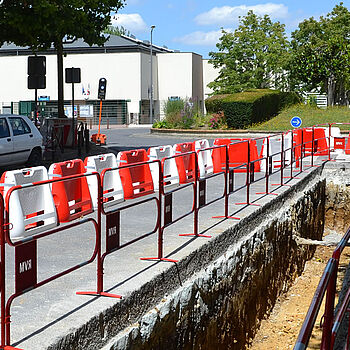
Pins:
x: 281, y: 329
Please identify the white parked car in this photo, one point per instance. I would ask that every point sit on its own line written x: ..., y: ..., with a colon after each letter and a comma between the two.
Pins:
x: 20, y: 141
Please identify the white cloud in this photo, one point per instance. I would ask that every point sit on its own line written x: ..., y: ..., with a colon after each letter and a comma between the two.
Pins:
x: 201, y: 38
x: 132, y: 22
x: 229, y: 15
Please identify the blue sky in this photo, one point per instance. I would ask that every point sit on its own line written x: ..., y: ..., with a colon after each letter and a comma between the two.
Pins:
x: 194, y: 25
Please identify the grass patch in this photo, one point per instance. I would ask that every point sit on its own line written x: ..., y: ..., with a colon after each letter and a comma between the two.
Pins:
x: 309, y: 115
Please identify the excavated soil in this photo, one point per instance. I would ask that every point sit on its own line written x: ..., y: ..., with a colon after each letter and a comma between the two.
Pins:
x: 280, y: 330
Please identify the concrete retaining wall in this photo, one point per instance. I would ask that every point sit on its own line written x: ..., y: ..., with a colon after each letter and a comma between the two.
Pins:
x: 231, y: 282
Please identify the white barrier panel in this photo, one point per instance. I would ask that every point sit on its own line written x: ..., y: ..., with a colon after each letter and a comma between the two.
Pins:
x: 275, y: 149
x: 170, y: 172
x: 335, y: 132
x: 205, y: 161
x: 113, y: 192
x: 31, y: 210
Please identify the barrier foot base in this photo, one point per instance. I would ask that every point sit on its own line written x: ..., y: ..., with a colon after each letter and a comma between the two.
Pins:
x: 160, y: 259
x: 9, y: 347
x: 193, y: 235
x: 274, y: 194
x: 226, y: 217
x: 101, y: 294
x: 257, y: 205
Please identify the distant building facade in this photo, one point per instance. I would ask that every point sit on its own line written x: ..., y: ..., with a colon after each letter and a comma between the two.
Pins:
x: 123, y: 61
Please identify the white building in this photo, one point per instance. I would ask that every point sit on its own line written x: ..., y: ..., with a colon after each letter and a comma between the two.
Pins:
x: 123, y: 61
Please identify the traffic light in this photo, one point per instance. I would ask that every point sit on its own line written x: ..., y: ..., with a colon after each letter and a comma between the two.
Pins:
x: 36, y: 72
x: 102, y: 84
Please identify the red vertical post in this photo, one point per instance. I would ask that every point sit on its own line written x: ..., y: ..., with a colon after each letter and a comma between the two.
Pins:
x: 98, y: 243
x: 302, y: 150
x: 312, y: 146
x: 329, y: 140
x: 160, y: 229
x: 267, y: 175
x: 226, y: 187
x: 282, y: 158
x: 292, y: 156
x: 248, y: 172
x: 2, y: 270
x: 195, y: 216
x: 329, y: 311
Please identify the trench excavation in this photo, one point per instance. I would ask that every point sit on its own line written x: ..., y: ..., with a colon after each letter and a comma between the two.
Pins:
x: 222, y: 305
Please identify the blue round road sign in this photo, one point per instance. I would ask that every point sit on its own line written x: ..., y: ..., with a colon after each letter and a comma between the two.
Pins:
x: 296, y: 122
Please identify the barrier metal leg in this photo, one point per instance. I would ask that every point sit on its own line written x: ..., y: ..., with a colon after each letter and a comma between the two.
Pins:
x: 159, y: 222
x: 250, y: 167
x: 195, y: 205
x: 100, y: 259
x: 227, y: 189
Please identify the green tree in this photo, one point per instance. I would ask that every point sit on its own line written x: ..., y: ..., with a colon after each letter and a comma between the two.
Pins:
x: 254, y: 56
x: 112, y: 30
x: 40, y: 24
x: 320, y: 55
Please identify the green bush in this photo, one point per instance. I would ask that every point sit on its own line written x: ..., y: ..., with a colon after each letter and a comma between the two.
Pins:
x: 250, y: 107
x: 213, y: 104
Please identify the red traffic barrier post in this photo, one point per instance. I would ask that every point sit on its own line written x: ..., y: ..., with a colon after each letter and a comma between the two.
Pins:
x: 140, y: 171
x: 72, y: 198
x: 26, y: 278
x: 267, y: 159
x: 250, y: 168
x: 186, y: 164
x: 219, y: 152
x: 208, y: 175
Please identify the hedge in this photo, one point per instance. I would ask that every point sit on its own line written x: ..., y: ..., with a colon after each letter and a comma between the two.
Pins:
x: 249, y: 107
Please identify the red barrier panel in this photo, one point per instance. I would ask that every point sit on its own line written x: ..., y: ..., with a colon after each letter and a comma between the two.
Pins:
x: 297, y: 143
x: 237, y: 153
x: 26, y: 253
x: 137, y: 181
x: 318, y: 136
x: 185, y: 164
x: 72, y: 198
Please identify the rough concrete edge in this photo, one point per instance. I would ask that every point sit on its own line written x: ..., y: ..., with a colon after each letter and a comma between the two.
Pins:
x: 141, y: 301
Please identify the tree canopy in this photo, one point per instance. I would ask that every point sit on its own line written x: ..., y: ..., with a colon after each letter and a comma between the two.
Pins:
x: 40, y: 24
x: 115, y: 30
x: 320, y: 55
x: 253, y: 56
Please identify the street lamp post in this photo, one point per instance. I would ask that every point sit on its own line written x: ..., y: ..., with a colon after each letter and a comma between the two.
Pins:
x: 151, y: 92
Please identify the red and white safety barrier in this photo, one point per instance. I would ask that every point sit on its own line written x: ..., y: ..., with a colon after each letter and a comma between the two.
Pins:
x: 32, y: 210
x: 113, y: 192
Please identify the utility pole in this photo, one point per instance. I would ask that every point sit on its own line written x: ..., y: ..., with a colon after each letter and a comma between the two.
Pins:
x: 151, y: 92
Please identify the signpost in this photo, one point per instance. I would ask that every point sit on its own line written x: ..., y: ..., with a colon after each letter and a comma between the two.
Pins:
x: 73, y: 75
x: 296, y: 122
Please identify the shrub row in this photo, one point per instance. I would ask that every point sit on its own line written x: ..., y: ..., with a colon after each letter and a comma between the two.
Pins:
x: 249, y: 107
